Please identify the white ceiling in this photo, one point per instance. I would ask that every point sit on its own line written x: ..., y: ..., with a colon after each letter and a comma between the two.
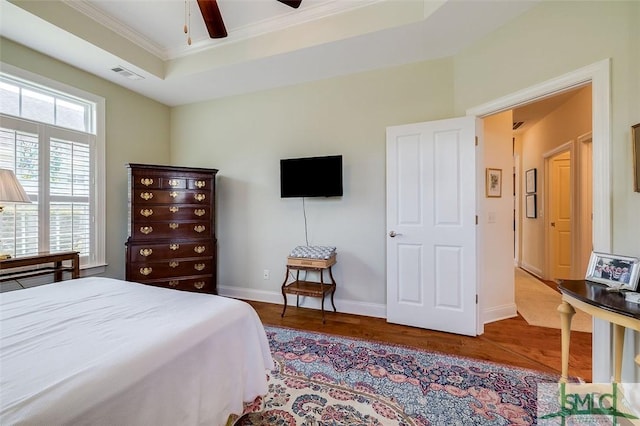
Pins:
x: 269, y: 44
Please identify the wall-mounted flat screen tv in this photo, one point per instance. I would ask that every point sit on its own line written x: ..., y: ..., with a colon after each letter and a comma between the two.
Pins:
x: 311, y: 177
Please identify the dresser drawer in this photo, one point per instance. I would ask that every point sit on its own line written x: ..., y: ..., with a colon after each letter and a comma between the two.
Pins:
x: 199, y: 284
x: 171, y: 230
x: 175, y: 250
x: 154, y: 213
x: 146, y: 197
x: 170, y: 269
x: 156, y: 181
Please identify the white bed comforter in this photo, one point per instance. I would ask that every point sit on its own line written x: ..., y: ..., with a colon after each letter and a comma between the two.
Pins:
x: 104, y: 351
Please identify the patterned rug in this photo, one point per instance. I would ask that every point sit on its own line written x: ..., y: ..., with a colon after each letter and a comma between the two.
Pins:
x: 323, y: 379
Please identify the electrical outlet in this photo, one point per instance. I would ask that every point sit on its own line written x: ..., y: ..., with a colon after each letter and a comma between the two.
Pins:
x: 265, y: 274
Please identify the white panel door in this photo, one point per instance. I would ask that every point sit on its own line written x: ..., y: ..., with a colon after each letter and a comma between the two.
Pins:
x: 560, y: 224
x: 431, y: 232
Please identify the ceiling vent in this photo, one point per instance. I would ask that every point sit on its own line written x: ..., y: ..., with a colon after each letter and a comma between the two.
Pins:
x: 127, y: 73
x: 517, y: 124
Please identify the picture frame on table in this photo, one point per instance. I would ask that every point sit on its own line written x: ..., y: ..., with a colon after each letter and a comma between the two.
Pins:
x: 494, y: 183
x: 531, y: 180
x: 531, y: 206
x: 618, y: 272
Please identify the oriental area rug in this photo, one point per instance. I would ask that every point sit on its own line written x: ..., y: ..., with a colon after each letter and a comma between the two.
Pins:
x: 323, y: 379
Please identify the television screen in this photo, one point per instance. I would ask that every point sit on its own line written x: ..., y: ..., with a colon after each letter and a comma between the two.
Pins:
x: 311, y: 177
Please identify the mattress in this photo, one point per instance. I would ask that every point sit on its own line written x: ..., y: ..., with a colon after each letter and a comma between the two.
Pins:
x: 104, y: 351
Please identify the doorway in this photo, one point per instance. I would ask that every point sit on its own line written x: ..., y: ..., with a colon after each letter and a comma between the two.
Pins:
x: 598, y: 74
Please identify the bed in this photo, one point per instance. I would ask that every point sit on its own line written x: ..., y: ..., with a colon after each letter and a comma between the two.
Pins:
x: 103, y: 351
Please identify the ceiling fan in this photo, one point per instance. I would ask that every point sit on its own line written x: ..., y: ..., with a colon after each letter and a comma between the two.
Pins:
x: 213, y: 18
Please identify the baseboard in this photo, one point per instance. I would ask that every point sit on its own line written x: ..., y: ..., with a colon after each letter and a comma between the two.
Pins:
x: 342, y: 305
x: 532, y: 270
x: 499, y: 313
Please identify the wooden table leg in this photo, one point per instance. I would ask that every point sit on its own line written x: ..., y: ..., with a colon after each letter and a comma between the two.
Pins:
x: 284, y: 295
x: 566, y: 313
x: 618, y: 345
x: 333, y: 291
x: 76, y: 266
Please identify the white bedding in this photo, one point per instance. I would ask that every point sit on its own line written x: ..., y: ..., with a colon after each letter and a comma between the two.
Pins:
x: 104, y: 351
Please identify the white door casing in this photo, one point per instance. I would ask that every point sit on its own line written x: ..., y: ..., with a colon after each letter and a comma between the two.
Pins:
x: 431, y: 228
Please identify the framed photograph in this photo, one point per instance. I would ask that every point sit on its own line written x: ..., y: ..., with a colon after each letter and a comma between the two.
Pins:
x: 494, y: 183
x: 635, y: 139
x: 530, y: 181
x: 532, y: 210
x: 613, y: 270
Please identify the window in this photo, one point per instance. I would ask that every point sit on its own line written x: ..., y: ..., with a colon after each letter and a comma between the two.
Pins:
x: 50, y: 137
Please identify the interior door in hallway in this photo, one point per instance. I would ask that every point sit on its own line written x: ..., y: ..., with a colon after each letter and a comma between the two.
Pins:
x: 431, y: 234
x: 560, y: 217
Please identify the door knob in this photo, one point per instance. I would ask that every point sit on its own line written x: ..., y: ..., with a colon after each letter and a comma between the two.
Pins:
x: 392, y: 234
x: 553, y: 224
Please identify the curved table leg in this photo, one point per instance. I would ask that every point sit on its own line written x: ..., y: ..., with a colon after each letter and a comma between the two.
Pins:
x: 333, y: 291
x: 284, y: 295
x: 566, y: 313
x: 618, y: 343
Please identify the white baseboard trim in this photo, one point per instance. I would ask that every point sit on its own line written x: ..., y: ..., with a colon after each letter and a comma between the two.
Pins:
x: 532, y: 269
x: 499, y: 313
x: 342, y: 305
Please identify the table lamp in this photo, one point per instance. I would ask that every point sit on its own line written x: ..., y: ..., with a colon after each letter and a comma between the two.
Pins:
x: 10, y: 192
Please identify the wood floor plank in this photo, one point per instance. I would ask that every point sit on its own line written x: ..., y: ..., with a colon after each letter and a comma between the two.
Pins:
x: 511, y: 341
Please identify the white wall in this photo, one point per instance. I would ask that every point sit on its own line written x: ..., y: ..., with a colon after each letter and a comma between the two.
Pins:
x: 246, y: 136
x: 497, y: 297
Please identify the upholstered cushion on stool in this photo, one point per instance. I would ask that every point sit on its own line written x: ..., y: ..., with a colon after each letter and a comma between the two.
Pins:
x: 313, y: 252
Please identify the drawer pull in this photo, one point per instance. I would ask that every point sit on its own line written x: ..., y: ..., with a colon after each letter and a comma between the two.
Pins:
x: 174, y: 246
x: 146, y: 212
x: 173, y: 194
x: 199, y: 197
x: 146, y: 195
x: 146, y: 230
x: 145, y: 252
x: 199, y: 249
x: 145, y: 271
x: 174, y: 225
x: 174, y: 182
x: 199, y: 266
x: 198, y: 284
x: 199, y: 212
x: 174, y: 264
x: 201, y: 184
x: 174, y: 209
x: 199, y: 228
x: 146, y: 181
x: 173, y: 283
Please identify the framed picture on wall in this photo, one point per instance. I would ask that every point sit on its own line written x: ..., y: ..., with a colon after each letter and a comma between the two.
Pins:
x: 494, y: 183
x: 635, y: 139
x: 530, y: 181
x: 531, y: 206
x: 618, y: 272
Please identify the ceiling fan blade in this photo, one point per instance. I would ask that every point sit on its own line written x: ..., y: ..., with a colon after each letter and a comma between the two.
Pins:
x: 212, y: 18
x: 291, y: 3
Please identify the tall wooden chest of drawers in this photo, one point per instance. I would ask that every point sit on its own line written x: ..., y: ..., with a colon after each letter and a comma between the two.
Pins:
x: 172, y: 240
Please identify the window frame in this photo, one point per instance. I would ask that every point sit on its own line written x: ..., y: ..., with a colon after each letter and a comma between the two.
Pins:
x: 97, y: 263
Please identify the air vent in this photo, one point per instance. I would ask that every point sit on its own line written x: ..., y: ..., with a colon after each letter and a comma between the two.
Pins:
x: 127, y: 73
x: 517, y: 124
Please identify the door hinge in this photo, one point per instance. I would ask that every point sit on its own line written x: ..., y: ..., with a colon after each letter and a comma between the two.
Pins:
x: 476, y: 219
x: 476, y: 299
x: 476, y: 141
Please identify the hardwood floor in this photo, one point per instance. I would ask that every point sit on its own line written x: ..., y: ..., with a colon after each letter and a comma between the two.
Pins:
x: 512, y: 341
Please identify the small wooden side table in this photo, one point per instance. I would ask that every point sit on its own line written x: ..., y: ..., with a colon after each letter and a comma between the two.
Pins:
x: 55, y: 260
x: 309, y: 288
x: 594, y: 299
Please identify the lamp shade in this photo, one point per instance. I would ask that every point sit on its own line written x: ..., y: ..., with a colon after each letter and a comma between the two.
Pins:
x: 10, y: 189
